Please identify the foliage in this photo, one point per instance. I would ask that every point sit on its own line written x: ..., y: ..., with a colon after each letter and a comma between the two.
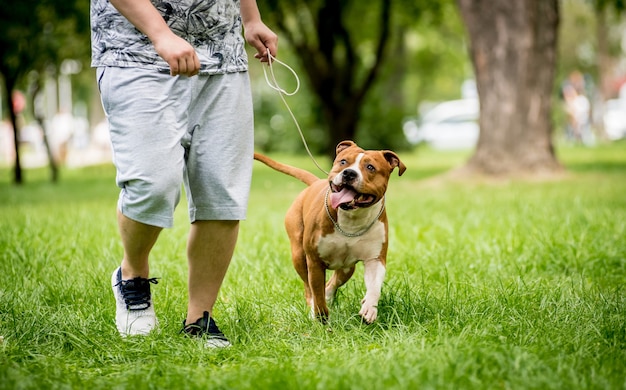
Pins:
x: 426, y: 60
x: 489, y: 285
x: 618, y: 5
x: 35, y: 36
x: 578, y: 46
x: 427, y: 63
x: 348, y: 49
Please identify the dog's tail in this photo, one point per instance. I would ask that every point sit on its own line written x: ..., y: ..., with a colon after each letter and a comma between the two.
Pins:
x: 304, y: 176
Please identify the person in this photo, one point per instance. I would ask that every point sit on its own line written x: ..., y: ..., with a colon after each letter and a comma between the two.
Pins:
x: 174, y: 86
x: 577, y: 108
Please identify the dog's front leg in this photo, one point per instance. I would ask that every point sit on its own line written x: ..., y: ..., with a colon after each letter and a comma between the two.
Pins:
x: 339, y: 278
x: 374, y: 276
x: 317, y: 280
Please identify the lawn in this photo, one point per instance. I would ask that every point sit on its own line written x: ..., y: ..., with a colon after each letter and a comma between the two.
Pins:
x: 512, y: 284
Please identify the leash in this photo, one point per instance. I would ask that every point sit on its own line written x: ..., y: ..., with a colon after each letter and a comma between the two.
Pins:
x: 273, y: 84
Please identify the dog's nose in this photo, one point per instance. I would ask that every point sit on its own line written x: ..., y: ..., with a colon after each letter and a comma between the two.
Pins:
x: 349, y: 175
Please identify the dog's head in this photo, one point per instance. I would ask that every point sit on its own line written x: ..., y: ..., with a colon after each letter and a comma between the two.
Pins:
x: 359, y: 177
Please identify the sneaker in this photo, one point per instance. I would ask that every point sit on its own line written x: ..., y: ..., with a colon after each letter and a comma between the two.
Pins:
x: 134, y: 314
x: 206, y: 329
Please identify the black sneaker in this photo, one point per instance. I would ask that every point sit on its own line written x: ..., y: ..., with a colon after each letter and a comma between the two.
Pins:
x: 206, y: 329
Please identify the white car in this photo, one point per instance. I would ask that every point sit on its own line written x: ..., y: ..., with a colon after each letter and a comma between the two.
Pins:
x: 615, y: 119
x: 448, y: 125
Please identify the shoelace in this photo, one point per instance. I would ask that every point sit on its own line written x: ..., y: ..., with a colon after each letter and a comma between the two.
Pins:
x: 136, y: 292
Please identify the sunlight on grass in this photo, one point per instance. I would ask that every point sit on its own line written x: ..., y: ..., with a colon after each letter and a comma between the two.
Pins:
x: 508, y: 285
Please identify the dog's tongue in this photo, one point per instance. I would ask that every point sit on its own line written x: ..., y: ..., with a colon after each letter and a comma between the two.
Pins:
x: 344, y: 196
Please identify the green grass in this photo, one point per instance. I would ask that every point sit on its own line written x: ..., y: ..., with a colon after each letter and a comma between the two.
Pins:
x: 514, y: 285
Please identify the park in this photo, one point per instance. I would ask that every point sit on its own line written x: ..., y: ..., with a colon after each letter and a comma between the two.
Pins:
x: 506, y: 262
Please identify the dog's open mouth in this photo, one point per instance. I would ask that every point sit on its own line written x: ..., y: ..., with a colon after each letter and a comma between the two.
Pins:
x: 347, y: 198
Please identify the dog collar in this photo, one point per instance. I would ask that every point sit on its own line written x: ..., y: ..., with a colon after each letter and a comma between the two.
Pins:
x: 339, y: 229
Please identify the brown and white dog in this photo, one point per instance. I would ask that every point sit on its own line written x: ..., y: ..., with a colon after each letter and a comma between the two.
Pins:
x: 335, y: 223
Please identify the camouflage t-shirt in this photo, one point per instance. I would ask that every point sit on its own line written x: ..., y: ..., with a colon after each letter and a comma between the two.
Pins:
x: 212, y: 27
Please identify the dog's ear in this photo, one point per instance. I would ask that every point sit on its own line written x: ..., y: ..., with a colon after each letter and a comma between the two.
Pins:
x: 394, y: 161
x: 344, y: 145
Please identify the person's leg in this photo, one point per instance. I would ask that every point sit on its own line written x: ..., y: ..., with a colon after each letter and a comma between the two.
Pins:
x: 219, y: 149
x: 209, y: 250
x: 146, y: 126
x: 135, y: 313
x: 137, y: 240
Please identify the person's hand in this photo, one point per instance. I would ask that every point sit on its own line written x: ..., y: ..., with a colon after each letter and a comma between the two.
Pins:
x: 179, y: 55
x: 259, y: 36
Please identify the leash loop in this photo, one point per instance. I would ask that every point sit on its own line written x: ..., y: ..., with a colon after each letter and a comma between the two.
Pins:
x: 275, y: 86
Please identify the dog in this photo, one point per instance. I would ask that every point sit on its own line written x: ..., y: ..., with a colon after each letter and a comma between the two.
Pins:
x: 336, y: 222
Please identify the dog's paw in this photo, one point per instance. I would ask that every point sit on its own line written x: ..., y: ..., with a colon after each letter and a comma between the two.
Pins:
x: 320, y: 316
x: 368, y: 312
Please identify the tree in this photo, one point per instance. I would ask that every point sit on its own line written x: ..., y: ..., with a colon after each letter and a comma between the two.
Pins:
x: 35, y: 34
x: 513, y: 45
x: 342, y: 47
x: 590, y: 43
x: 326, y: 44
x: 605, y: 59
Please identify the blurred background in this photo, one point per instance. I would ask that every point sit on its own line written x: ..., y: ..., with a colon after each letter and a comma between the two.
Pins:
x: 389, y: 74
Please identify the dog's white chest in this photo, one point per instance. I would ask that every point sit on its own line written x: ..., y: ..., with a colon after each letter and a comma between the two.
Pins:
x: 339, y: 251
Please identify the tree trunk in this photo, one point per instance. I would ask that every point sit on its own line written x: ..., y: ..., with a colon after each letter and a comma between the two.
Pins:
x: 342, y: 118
x: 17, y: 170
x: 604, y: 70
x: 513, y: 51
x: 54, y: 169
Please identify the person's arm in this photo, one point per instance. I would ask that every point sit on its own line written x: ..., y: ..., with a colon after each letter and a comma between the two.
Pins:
x: 178, y: 53
x: 256, y: 32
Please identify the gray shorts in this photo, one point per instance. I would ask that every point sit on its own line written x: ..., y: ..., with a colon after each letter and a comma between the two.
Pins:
x: 168, y: 131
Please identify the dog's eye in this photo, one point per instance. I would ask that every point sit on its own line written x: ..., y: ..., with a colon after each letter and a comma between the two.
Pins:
x: 371, y: 168
x: 343, y: 162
